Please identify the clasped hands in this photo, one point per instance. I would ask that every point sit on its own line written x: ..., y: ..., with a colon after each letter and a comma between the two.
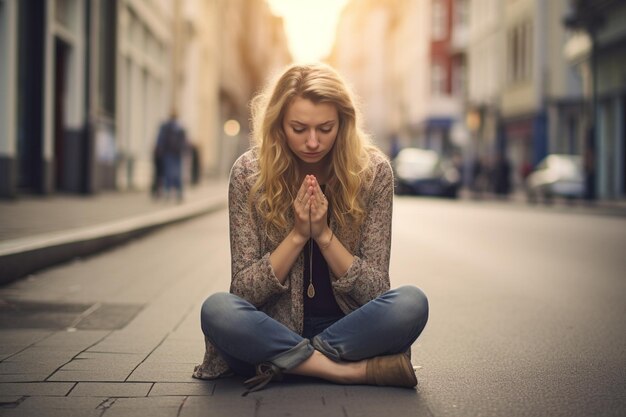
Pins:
x: 311, y: 211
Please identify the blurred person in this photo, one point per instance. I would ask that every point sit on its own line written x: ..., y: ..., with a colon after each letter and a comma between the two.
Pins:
x: 525, y: 169
x: 157, y: 173
x: 195, y: 165
x: 501, y: 176
x: 480, y: 176
x: 395, y: 146
x: 589, y: 169
x: 310, y: 227
x: 170, y: 149
x: 457, y: 163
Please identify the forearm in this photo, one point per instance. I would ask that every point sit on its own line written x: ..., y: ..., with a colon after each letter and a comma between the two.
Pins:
x: 338, y: 258
x: 283, y: 258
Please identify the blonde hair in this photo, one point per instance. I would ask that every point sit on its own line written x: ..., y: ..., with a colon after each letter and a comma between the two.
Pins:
x: 279, y: 178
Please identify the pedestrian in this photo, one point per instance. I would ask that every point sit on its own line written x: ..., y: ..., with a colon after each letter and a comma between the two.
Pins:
x: 589, y: 168
x: 170, y: 149
x: 310, y: 228
x: 501, y: 176
x: 157, y: 173
x: 478, y: 177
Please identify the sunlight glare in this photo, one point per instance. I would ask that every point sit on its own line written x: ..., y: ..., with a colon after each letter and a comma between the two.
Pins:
x: 310, y: 26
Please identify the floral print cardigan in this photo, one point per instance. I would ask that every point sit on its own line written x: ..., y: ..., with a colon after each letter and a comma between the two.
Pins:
x: 253, y: 278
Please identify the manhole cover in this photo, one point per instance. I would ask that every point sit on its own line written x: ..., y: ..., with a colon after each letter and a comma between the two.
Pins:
x: 38, y: 315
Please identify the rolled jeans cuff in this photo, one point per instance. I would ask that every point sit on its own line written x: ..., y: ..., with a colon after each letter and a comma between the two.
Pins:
x: 294, y: 356
x: 326, y: 349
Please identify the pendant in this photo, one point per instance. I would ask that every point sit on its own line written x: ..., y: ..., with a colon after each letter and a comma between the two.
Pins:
x: 310, y: 292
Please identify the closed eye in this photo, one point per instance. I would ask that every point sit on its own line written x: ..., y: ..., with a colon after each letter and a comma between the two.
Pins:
x: 323, y: 129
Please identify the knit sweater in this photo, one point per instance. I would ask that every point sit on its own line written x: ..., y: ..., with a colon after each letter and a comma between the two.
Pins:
x: 252, y: 276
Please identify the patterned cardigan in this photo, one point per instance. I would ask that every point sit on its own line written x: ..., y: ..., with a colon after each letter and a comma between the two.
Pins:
x: 253, y: 278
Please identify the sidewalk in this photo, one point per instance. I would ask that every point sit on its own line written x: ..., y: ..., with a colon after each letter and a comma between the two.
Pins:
x: 118, y: 334
x: 558, y: 205
x: 37, y: 232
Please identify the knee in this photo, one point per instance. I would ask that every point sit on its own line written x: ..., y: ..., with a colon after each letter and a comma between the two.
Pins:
x: 215, y: 310
x: 413, y: 304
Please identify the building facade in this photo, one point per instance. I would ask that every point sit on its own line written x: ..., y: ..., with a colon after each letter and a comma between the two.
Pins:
x: 406, y: 61
x: 485, y: 58
x: 541, y: 102
x: 596, y: 47
x: 90, y: 82
x: 253, y: 48
x: 85, y: 85
x: 142, y: 91
x: 361, y: 53
x: 447, y: 74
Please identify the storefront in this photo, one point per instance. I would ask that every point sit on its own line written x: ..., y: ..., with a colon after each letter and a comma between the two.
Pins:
x: 524, y: 144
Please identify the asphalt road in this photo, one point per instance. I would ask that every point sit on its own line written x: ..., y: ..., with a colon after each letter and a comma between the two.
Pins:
x: 527, y: 319
x: 528, y: 309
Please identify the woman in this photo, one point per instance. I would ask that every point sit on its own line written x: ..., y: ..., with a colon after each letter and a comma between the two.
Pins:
x: 310, y: 221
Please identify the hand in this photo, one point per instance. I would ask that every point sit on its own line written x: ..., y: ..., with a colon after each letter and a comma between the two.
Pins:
x: 319, y: 209
x: 302, y: 210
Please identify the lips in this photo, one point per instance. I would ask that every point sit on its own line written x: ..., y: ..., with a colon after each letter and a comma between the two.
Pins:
x: 312, y: 154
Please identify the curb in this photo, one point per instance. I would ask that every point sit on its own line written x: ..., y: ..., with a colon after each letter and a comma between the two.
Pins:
x: 21, y: 257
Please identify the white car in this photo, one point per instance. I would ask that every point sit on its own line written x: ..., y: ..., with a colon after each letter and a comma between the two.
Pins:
x: 424, y: 172
x: 556, y: 176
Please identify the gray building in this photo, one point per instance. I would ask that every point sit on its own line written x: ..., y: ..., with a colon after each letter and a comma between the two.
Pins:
x: 60, y: 86
x: 597, y: 47
x: 84, y: 85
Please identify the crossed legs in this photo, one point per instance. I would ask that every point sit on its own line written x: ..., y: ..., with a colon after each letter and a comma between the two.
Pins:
x: 245, y: 336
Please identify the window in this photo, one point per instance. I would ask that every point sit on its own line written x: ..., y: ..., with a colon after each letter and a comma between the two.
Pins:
x: 64, y: 13
x: 519, y: 52
x: 438, y: 79
x: 107, y: 57
x: 438, y: 20
x: 529, y: 50
x: 458, y: 80
x: 461, y: 13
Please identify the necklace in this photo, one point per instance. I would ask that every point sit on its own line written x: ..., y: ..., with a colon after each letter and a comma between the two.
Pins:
x: 310, y: 292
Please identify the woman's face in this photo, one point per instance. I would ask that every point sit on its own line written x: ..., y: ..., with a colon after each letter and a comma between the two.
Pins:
x: 311, y: 129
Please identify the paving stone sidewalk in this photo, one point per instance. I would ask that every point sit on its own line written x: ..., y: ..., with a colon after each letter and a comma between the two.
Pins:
x: 137, y: 359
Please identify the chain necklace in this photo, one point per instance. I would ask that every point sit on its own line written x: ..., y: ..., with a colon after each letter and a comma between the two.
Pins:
x: 310, y: 292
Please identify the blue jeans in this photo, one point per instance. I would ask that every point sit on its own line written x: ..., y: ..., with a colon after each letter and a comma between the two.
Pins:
x: 172, y: 174
x: 245, y: 336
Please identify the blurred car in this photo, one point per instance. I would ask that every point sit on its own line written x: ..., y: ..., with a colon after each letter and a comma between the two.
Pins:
x: 556, y: 176
x: 424, y: 172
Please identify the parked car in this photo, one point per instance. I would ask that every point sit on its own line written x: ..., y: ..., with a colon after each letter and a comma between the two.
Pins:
x: 424, y: 172
x: 556, y: 176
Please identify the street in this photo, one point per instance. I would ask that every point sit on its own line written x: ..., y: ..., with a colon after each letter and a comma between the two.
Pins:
x: 527, y: 318
x: 527, y: 308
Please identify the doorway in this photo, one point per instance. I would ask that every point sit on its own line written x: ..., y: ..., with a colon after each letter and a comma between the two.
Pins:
x: 30, y: 95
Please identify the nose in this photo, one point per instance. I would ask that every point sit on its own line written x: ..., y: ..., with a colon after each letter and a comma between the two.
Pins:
x: 312, y: 142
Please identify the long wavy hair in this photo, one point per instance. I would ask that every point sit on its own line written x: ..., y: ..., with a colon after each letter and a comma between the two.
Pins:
x: 279, y: 177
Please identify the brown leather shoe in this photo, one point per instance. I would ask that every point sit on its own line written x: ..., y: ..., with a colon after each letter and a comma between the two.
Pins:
x: 393, y: 370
